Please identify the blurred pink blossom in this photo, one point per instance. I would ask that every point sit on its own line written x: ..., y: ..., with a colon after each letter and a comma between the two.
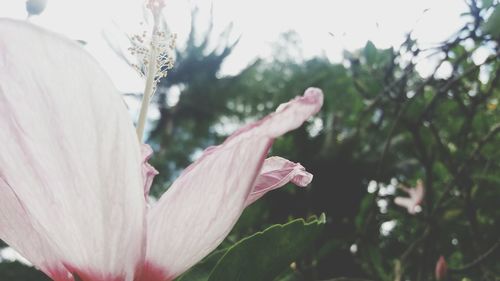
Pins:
x: 412, y: 203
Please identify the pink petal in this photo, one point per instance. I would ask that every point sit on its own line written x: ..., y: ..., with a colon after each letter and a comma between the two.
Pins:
x: 70, y: 158
x: 418, y: 193
x: 275, y: 173
x: 33, y: 247
x: 413, y: 202
x: 200, y: 208
x: 407, y: 203
x: 148, y: 171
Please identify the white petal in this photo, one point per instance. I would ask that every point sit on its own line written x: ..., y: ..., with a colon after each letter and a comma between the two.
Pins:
x: 203, y: 204
x: 69, y: 155
x: 23, y: 236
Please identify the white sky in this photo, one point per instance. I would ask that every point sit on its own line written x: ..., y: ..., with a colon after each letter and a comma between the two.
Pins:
x: 260, y: 22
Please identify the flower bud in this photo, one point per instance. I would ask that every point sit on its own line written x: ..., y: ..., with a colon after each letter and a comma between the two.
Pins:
x: 35, y: 7
x: 441, y: 268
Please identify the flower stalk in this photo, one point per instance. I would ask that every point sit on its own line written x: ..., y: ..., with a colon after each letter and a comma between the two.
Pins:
x: 154, y: 61
x: 149, y: 87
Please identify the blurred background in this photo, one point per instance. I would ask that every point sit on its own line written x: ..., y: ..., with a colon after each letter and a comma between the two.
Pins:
x: 411, y: 92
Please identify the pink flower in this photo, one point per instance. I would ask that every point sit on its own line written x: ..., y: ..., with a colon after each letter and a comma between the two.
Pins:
x: 412, y: 203
x: 441, y: 269
x: 73, y: 176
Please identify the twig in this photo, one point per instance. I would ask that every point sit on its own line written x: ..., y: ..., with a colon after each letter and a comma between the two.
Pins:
x: 415, y: 243
x: 493, y: 131
x: 478, y: 260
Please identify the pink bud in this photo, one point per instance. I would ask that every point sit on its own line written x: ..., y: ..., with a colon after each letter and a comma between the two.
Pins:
x: 441, y: 268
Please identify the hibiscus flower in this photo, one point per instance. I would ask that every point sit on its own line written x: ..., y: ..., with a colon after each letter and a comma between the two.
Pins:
x: 73, y: 175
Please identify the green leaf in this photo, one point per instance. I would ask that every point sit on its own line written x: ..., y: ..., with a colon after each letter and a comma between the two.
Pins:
x: 452, y: 214
x: 264, y: 255
x: 364, y: 209
x: 492, y: 24
x: 19, y: 272
x: 486, y: 4
x: 370, y: 52
x: 201, y: 271
x: 377, y: 262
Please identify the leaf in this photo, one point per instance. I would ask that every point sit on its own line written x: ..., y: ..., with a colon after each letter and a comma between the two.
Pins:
x: 264, y: 255
x: 289, y: 275
x: 494, y: 179
x: 452, y: 214
x: 487, y: 3
x: 492, y: 24
x: 19, y: 272
x: 370, y: 52
x: 201, y: 271
x: 364, y: 209
x: 376, y: 259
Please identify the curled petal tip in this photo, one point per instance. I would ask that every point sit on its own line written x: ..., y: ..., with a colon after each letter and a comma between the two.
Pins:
x: 275, y: 173
x: 303, y: 179
x: 314, y: 94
